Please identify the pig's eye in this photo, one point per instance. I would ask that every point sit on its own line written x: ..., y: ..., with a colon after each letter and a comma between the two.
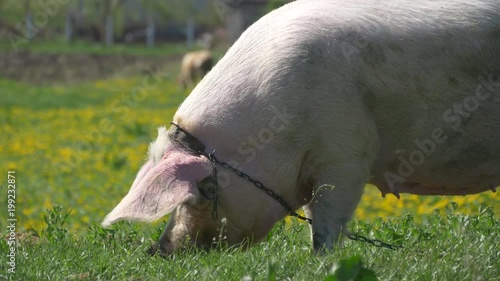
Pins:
x: 208, y: 188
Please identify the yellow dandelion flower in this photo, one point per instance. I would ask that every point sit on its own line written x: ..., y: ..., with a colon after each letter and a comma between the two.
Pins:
x: 16, y: 147
x: 27, y: 211
x: 47, y: 204
x: 65, y: 152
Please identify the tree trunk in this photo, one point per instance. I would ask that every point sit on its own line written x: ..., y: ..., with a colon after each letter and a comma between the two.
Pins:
x: 29, y: 26
x: 108, y: 30
x: 68, y: 27
x: 190, y: 33
x: 107, y: 24
x: 150, y: 31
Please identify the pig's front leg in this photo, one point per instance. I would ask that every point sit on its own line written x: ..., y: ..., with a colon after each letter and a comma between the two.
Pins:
x: 338, y: 191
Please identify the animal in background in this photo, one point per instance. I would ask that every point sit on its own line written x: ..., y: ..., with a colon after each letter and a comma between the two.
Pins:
x: 194, y: 66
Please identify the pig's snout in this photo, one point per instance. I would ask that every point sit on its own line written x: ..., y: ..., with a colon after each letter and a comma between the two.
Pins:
x: 163, y: 249
x: 154, y: 249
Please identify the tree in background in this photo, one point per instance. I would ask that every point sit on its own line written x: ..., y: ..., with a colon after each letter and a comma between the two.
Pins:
x: 106, y: 21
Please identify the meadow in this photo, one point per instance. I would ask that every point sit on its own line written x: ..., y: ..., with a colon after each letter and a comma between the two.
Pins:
x: 79, y: 146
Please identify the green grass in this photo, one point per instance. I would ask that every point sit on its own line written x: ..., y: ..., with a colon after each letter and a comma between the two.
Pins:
x: 87, y: 94
x: 61, y: 46
x: 450, y: 247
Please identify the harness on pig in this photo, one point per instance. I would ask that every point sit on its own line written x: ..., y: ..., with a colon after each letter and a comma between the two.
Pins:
x: 193, y: 145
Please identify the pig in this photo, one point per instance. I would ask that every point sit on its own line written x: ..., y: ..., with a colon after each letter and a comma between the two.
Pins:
x: 317, y: 99
x: 195, y: 65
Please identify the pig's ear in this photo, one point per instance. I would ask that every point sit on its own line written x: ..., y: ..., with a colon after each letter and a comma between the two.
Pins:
x: 158, y: 189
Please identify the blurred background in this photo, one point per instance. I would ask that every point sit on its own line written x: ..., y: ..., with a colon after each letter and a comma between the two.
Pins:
x: 85, y: 83
x: 106, y: 36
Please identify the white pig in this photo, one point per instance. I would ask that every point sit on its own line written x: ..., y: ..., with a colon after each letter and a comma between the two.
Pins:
x: 401, y: 94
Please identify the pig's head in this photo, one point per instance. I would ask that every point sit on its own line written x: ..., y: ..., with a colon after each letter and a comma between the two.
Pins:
x: 177, y: 182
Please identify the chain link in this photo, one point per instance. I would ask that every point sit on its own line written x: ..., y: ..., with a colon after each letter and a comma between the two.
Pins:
x: 374, y: 242
x: 261, y: 186
x: 216, y: 179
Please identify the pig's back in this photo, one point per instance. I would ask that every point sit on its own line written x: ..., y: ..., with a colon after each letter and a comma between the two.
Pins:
x: 437, y: 116
x: 383, y: 74
x: 425, y: 80
x: 419, y: 70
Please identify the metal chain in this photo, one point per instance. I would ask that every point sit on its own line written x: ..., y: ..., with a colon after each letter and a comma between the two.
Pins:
x: 261, y: 186
x: 215, y: 178
x: 199, y: 150
x: 374, y: 242
x: 211, y: 157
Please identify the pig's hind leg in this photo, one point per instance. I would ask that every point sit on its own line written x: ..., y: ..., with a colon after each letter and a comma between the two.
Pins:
x: 338, y: 190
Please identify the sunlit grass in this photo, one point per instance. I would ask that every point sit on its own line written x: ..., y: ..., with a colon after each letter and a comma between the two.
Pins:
x: 450, y: 246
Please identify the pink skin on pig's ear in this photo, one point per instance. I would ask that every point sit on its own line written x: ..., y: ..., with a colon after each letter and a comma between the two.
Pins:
x: 159, y: 188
